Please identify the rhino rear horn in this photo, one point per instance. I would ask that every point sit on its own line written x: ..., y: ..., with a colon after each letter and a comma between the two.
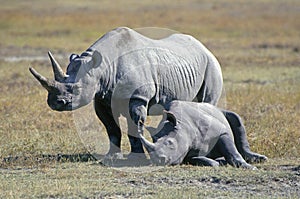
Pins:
x: 59, y: 75
x: 150, y: 147
x: 47, y: 84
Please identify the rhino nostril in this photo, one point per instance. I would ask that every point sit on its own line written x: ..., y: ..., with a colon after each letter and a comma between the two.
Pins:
x: 163, y: 160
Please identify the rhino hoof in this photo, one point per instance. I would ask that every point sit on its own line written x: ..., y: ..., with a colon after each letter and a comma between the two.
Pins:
x: 255, y: 158
x: 248, y: 166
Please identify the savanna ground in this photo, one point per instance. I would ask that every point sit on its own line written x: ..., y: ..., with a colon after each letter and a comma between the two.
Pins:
x: 257, y: 43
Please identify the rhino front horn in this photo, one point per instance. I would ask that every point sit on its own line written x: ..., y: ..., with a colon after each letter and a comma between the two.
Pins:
x: 47, y: 84
x: 150, y: 147
x: 59, y: 75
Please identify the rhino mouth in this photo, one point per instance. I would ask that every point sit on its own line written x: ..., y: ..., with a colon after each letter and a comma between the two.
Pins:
x: 159, y: 160
x: 60, y: 105
x: 163, y: 160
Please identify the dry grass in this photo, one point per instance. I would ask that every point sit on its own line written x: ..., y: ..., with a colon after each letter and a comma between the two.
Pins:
x: 269, y: 104
x: 90, y: 180
x: 257, y: 44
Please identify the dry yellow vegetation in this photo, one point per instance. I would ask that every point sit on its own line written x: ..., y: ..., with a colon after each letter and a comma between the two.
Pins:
x: 257, y: 43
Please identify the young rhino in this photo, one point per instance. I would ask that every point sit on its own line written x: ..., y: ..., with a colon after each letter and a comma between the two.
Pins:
x: 198, y: 133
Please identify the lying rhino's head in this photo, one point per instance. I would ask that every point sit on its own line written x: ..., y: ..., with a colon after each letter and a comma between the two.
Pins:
x: 74, y: 89
x: 172, y: 146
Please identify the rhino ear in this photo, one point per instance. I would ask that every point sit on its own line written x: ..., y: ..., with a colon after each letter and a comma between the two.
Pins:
x: 171, y: 117
x: 73, y: 56
x: 97, y: 58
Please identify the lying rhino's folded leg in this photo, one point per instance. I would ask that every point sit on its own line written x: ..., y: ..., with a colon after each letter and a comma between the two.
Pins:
x: 202, y: 161
x: 227, y: 148
x: 240, y: 138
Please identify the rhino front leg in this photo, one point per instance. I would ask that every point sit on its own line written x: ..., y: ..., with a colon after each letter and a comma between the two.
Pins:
x: 137, y: 151
x: 240, y: 138
x: 138, y: 114
x: 104, y: 113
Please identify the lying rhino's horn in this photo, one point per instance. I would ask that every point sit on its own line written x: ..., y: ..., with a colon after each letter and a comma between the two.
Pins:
x: 148, y: 145
x: 59, y: 75
x: 47, y: 84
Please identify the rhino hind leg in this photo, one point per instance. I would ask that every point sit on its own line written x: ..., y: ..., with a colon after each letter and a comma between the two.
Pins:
x: 212, y: 85
x: 227, y: 148
x: 205, y: 95
x: 240, y: 138
x: 105, y: 115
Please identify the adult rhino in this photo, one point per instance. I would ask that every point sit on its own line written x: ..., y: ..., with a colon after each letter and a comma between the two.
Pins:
x: 199, y: 133
x: 127, y: 73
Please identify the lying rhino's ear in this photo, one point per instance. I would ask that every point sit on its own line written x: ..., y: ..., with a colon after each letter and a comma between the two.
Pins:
x: 97, y: 58
x: 171, y: 117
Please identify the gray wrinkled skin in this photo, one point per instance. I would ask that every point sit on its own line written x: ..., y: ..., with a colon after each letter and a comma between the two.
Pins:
x: 127, y: 73
x: 198, y: 133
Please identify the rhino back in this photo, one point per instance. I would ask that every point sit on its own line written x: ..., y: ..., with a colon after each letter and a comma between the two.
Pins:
x: 173, y: 67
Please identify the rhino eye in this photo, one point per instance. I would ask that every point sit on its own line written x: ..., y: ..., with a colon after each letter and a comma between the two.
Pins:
x: 170, y: 143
